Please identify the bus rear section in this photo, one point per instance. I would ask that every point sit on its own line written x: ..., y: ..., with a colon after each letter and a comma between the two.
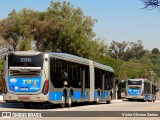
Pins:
x: 134, y: 89
x: 25, y: 78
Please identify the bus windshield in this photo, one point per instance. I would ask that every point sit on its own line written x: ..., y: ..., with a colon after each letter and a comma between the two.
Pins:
x: 25, y: 61
x: 130, y: 82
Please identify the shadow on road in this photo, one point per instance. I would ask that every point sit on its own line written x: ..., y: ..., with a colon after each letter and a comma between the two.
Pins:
x: 40, y: 106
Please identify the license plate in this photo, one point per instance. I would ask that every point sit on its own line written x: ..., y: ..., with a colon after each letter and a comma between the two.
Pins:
x: 23, y: 97
x: 134, y: 97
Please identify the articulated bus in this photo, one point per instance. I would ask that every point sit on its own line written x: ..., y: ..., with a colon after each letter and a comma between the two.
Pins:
x: 59, y: 78
x: 140, y: 89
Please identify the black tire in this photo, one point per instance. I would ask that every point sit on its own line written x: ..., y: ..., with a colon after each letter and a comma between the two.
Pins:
x: 27, y: 105
x: 97, y: 99
x: 109, y: 101
x: 130, y: 100
x: 144, y: 100
x: 63, y: 103
x: 70, y: 100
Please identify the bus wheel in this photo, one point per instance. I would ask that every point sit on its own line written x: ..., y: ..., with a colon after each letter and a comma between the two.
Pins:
x: 98, y: 99
x: 109, y: 101
x: 70, y: 100
x: 26, y: 105
x: 63, y: 102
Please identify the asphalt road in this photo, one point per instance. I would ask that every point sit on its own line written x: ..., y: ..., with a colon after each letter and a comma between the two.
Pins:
x: 117, y: 110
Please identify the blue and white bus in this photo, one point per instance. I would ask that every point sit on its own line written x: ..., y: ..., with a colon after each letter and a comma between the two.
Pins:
x: 59, y: 78
x: 140, y: 89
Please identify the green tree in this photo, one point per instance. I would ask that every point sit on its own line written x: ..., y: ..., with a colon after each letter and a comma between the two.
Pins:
x: 151, y: 3
x: 15, y: 28
x: 117, y: 49
x: 155, y: 51
x: 132, y: 69
x: 134, y: 50
x: 100, y: 48
x: 63, y: 28
x: 127, y: 50
x: 60, y: 28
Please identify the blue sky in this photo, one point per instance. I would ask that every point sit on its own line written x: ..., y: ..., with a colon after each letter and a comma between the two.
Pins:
x: 119, y: 20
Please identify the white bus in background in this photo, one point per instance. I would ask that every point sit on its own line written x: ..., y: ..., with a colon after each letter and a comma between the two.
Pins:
x: 140, y: 89
x: 37, y: 77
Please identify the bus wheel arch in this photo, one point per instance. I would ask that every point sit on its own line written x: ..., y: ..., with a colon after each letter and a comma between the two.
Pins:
x: 111, y: 95
x: 63, y: 100
x: 98, y: 97
x: 70, y: 98
x: 110, y: 98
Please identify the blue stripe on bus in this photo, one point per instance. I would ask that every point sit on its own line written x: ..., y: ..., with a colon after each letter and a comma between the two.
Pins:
x: 106, y: 95
x: 86, y: 95
x: 77, y: 95
x: 100, y: 94
x: 95, y: 94
x: 147, y: 97
x: 134, y: 92
x: 56, y: 95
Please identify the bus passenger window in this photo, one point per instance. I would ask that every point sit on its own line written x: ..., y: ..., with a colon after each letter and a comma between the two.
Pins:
x: 58, y: 70
x: 65, y: 74
x: 76, y: 75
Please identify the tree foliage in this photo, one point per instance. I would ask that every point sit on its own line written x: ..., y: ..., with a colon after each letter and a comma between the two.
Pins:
x: 15, y: 27
x: 134, y: 50
x: 155, y: 51
x: 118, y: 49
x: 151, y: 3
x: 133, y: 69
x: 63, y: 28
x: 127, y: 50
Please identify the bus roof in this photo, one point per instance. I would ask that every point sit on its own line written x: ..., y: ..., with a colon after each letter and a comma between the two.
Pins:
x: 66, y: 56
x: 29, y: 52
x: 104, y: 67
x: 140, y: 79
x: 70, y: 57
x: 80, y: 60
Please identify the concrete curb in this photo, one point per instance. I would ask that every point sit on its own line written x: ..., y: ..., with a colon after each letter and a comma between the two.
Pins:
x: 120, y: 100
x: 1, y: 97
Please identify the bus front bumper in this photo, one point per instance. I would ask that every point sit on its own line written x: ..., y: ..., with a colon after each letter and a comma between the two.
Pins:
x: 10, y: 97
x: 134, y: 97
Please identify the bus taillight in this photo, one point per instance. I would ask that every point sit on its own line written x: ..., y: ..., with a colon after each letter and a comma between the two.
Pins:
x: 126, y: 92
x: 4, y: 87
x: 45, y: 87
x: 142, y: 93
